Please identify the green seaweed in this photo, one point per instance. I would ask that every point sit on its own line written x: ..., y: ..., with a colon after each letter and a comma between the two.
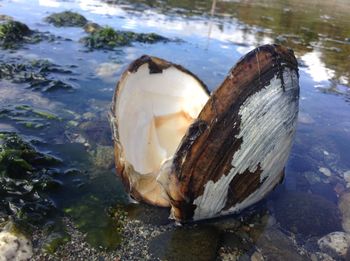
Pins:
x: 37, y: 73
x: 102, y: 228
x: 28, y: 116
x: 45, y: 115
x: 24, y: 175
x: 66, y: 18
x: 108, y: 38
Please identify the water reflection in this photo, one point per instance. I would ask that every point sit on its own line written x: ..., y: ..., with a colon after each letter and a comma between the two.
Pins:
x: 319, y: 27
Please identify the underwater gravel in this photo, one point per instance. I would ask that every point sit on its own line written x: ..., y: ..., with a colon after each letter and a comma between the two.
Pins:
x: 136, y: 236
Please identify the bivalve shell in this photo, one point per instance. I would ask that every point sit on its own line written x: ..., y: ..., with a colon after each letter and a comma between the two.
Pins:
x: 205, y: 155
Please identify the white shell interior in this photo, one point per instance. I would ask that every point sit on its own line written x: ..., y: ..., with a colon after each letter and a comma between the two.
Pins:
x: 154, y: 112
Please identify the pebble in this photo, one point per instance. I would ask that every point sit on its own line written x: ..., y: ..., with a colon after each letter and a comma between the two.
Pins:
x: 256, y: 256
x: 303, y: 118
x: 325, y: 171
x: 339, y: 188
x: 335, y: 243
x: 344, y: 207
x: 319, y: 256
x: 347, y: 176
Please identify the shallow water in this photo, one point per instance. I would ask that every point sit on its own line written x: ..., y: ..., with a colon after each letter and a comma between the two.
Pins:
x: 207, y: 41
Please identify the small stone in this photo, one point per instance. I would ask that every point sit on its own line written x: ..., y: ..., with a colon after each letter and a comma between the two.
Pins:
x: 319, y: 256
x: 312, y: 177
x: 304, y: 118
x: 347, y: 176
x: 339, y: 188
x: 325, y: 171
x: 344, y: 207
x: 256, y: 256
x: 335, y: 243
x: 326, y: 153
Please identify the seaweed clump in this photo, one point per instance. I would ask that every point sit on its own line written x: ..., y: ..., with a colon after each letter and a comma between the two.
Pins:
x: 66, y: 18
x: 108, y: 38
x: 28, y: 116
x: 36, y: 73
x: 12, y: 33
x: 25, y: 177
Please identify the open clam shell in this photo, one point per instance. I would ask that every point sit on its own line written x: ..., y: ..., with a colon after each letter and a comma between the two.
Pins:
x: 205, y: 155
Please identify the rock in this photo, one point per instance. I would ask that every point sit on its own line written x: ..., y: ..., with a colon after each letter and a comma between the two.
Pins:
x: 312, y: 177
x: 305, y: 118
x: 91, y: 27
x: 347, y: 176
x: 103, y: 157
x: 335, y: 243
x: 307, y: 214
x: 96, y: 132
x: 325, y: 171
x: 12, y: 32
x: 14, y: 245
x: 339, y: 189
x: 319, y: 256
x: 275, y: 245
x: 256, y: 256
x: 344, y: 207
x: 199, y: 243
x: 66, y: 18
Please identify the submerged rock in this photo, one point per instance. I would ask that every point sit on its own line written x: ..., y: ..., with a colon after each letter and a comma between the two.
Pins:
x: 14, y: 245
x: 274, y: 245
x: 335, y: 243
x: 108, y: 38
x: 325, y: 171
x: 103, y: 157
x: 186, y: 244
x: 12, y: 32
x: 96, y: 131
x: 347, y: 178
x: 66, y: 18
x: 307, y: 214
x: 92, y: 27
x: 344, y: 207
